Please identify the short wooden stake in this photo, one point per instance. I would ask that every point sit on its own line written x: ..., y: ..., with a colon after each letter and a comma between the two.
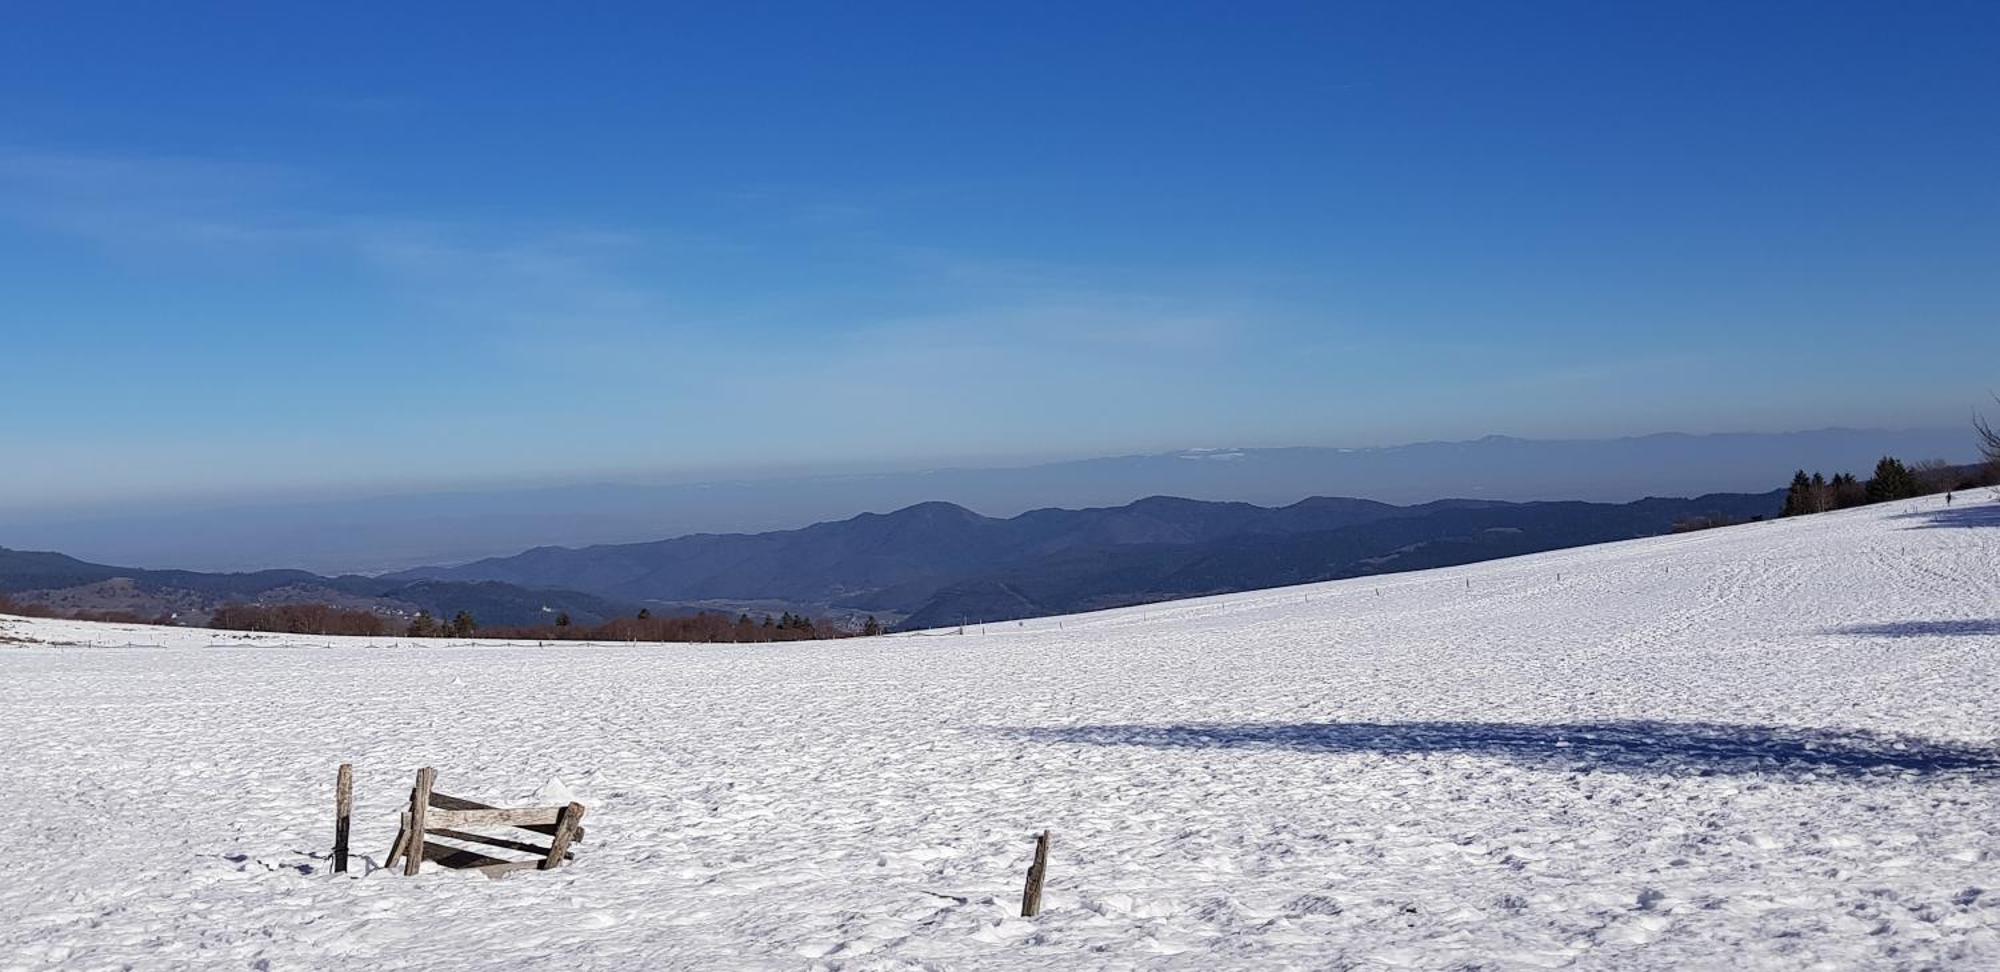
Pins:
x: 1031, y: 896
x: 343, y: 815
x: 420, y: 801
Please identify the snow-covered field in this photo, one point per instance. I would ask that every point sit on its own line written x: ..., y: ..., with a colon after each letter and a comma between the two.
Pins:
x: 1769, y: 746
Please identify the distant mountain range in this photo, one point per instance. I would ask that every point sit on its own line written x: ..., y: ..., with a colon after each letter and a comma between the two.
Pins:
x: 928, y: 565
x: 937, y: 564
x: 70, y: 585
x: 374, y: 534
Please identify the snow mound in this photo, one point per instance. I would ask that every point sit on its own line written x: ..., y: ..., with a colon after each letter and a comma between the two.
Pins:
x: 553, y: 793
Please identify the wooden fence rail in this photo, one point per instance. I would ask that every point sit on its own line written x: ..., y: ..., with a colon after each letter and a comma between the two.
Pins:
x: 432, y: 817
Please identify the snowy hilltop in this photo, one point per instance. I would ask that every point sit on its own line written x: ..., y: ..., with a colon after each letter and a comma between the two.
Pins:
x: 1774, y: 745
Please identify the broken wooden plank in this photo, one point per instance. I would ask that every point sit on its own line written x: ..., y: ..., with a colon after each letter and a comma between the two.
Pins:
x: 520, y: 845
x: 446, y: 802
x: 518, y: 817
x: 402, y: 837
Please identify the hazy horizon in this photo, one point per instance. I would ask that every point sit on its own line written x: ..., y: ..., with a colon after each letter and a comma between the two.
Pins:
x: 283, y: 495
x: 372, y: 531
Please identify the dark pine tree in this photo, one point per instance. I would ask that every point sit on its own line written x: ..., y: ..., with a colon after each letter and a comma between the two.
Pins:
x: 1893, y: 481
x: 1847, y: 491
x: 1798, y: 497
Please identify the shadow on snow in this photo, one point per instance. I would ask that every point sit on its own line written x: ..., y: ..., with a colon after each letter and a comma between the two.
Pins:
x: 1630, y: 746
x: 1922, y: 629
x: 1960, y: 516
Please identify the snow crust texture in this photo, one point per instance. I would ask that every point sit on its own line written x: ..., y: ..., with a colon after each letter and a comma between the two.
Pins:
x: 1767, y: 746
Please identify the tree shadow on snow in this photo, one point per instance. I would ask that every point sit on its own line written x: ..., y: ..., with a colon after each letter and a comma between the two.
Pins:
x: 1960, y: 516
x: 1922, y: 629
x: 1638, y: 747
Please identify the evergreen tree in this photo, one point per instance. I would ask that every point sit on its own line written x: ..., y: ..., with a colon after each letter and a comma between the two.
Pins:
x: 422, y: 626
x: 462, y: 625
x: 1846, y: 492
x: 645, y: 614
x: 871, y: 627
x: 1892, y: 481
x: 1797, y: 498
x: 562, y: 619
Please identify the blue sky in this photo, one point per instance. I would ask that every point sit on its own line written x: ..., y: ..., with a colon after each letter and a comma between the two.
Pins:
x: 253, y: 249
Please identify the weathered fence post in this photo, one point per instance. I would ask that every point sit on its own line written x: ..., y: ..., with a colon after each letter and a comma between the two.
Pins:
x: 420, y: 801
x: 343, y: 814
x: 566, y: 826
x: 1031, y: 896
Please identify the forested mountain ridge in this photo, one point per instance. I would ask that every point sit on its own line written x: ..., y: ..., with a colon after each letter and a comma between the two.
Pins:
x: 935, y: 563
x: 70, y: 586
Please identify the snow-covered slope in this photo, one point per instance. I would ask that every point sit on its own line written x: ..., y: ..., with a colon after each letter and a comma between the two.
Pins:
x: 1775, y: 745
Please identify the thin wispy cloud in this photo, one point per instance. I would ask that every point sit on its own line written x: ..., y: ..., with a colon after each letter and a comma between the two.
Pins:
x: 138, y: 203
x: 1100, y: 323
x: 180, y: 211
x: 592, y: 288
